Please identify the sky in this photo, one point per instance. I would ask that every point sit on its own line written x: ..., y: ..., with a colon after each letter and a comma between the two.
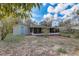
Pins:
x: 59, y: 11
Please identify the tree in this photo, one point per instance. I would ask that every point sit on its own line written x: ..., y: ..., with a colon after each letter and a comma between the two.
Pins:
x: 46, y: 23
x: 77, y: 12
x: 16, y: 11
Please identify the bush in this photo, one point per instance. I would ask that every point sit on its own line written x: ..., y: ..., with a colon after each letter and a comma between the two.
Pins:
x: 71, y: 34
x: 62, y: 50
x: 13, y: 38
x: 76, y: 35
x: 65, y: 34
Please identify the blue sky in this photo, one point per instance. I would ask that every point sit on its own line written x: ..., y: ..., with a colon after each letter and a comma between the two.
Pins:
x: 57, y: 10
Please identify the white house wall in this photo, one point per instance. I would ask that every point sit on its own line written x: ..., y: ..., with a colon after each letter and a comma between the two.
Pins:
x: 20, y: 30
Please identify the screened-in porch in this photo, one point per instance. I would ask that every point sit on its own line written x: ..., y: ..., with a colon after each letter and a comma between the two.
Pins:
x: 39, y: 30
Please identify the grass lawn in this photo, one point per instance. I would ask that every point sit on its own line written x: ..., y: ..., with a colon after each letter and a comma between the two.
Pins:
x: 14, y: 38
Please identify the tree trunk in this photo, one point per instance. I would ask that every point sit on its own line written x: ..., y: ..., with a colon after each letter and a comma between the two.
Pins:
x: 45, y: 31
x: 3, y: 33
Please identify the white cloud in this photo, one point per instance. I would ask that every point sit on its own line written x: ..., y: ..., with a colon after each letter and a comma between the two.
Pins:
x: 44, y: 16
x: 44, y: 4
x: 67, y: 16
x: 67, y: 12
x: 63, y: 12
x: 75, y: 8
x: 64, y: 16
x: 52, y: 3
x: 78, y: 5
x: 47, y: 15
x: 50, y: 9
x: 71, y: 4
x: 55, y: 16
x: 60, y: 7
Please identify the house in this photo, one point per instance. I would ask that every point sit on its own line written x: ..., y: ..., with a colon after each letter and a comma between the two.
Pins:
x: 39, y: 29
x: 30, y: 29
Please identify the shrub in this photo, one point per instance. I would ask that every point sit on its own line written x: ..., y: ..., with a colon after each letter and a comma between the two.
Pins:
x: 62, y: 50
x: 65, y: 34
x: 13, y: 38
x: 70, y: 34
x: 76, y: 35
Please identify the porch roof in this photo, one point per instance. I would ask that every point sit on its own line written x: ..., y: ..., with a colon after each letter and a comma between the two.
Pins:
x: 39, y: 26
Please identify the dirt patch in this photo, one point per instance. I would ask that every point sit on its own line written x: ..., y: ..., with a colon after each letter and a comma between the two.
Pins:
x: 40, y: 46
